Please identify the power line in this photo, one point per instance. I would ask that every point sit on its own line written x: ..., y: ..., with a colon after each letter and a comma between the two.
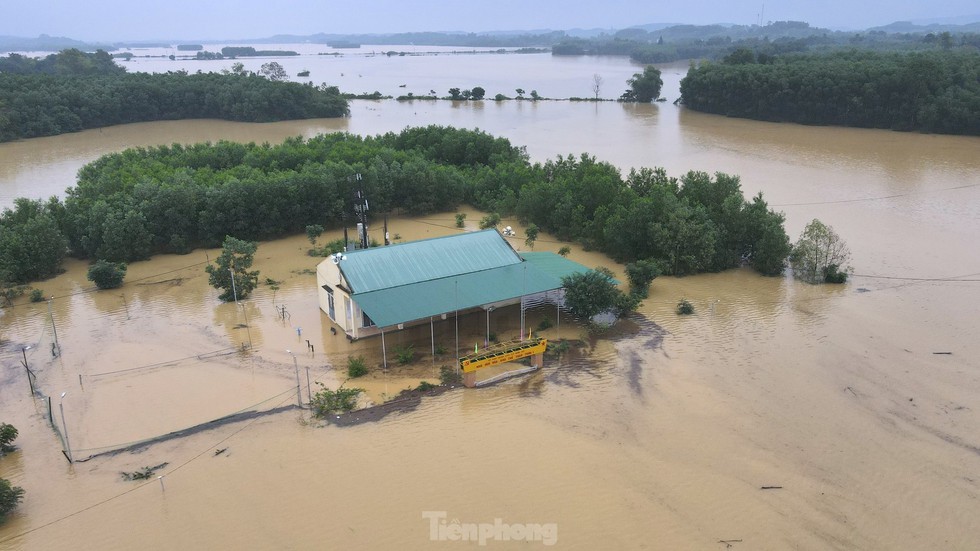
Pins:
x: 201, y: 356
x: 94, y: 289
x: 143, y: 485
x: 862, y: 199
x: 939, y: 279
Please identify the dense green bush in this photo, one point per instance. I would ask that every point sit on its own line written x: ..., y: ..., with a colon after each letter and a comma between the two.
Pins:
x: 327, y: 401
x: 405, y: 354
x: 107, y: 275
x: 8, y: 433
x: 32, y: 245
x: 10, y: 496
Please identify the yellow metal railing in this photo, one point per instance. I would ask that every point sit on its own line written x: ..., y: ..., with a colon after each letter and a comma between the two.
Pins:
x: 502, y: 352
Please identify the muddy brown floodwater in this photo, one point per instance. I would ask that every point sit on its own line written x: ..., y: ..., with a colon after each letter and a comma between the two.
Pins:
x: 856, y: 405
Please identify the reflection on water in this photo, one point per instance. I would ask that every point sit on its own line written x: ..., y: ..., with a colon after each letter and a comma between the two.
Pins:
x: 859, y: 405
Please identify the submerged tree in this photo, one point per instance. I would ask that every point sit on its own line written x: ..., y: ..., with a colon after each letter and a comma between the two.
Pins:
x: 236, y: 258
x: 596, y: 85
x: 644, y: 87
x: 8, y: 433
x: 10, y: 496
x: 640, y: 274
x: 820, y: 255
x: 588, y: 294
x: 532, y: 235
x: 107, y: 275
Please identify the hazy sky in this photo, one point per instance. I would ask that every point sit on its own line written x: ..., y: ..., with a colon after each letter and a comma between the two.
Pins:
x: 114, y: 20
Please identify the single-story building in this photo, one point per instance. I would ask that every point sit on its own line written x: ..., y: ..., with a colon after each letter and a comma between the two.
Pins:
x: 367, y: 291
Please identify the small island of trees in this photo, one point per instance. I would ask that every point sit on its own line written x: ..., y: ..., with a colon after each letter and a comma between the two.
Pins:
x: 130, y: 205
x: 73, y: 91
x: 935, y: 91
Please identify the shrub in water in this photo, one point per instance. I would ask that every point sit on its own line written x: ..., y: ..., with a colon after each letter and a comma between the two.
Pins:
x: 107, y: 275
x: 327, y: 401
x: 356, y: 367
x: 405, y: 354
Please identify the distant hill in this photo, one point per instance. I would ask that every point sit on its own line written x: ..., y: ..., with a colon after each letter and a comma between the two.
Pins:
x: 45, y: 43
x: 935, y: 26
x: 511, y: 38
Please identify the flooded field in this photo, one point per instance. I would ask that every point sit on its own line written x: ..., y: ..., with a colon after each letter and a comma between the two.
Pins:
x: 856, y: 406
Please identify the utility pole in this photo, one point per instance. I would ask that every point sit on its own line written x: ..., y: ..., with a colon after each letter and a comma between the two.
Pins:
x: 53, y: 328
x: 61, y: 405
x: 299, y: 395
x: 28, y: 368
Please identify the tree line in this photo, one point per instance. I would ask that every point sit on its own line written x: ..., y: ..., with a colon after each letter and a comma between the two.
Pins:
x: 712, y: 42
x: 937, y: 91
x: 73, y: 91
x: 171, y: 199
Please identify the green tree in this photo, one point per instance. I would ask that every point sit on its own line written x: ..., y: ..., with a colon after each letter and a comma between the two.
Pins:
x: 455, y: 93
x: 477, y: 93
x: 236, y: 258
x: 644, y: 87
x: 818, y: 251
x: 125, y: 237
x: 640, y: 274
x: 8, y: 433
x: 532, y: 235
x: 10, y: 496
x: 590, y: 293
x: 770, y: 246
x: 32, y: 246
x: 491, y: 220
x: 107, y: 275
x: 313, y: 232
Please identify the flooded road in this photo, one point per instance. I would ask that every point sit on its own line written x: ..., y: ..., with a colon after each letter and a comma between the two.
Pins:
x: 857, y: 405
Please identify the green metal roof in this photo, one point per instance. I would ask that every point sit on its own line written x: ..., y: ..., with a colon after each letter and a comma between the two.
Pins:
x: 553, y: 264
x: 380, y: 268
x: 414, y: 301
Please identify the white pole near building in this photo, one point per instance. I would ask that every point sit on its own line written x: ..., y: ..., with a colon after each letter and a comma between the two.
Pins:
x: 384, y: 359
x: 384, y: 352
